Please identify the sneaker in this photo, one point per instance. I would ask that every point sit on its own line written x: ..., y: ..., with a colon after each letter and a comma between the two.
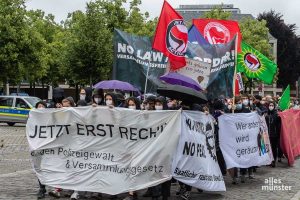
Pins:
x: 54, y: 193
x: 251, y: 176
x: 41, y: 193
x: 186, y: 195
x: 75, y: 196
x: 234, y: 181
x: 243, y: 179
x: 180, y: 190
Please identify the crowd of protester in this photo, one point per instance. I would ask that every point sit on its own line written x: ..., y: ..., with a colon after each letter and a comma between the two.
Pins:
x: 266, y: 106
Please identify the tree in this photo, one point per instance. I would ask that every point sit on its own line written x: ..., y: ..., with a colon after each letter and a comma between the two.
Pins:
x: 288, y: 48
x: 89, y: 49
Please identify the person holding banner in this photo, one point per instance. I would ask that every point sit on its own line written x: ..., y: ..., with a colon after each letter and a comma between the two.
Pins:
x: 42, y: 191
x: 274, y: 126
x: 97, y: 98
x: 110, y: 100
x: 132, y: 103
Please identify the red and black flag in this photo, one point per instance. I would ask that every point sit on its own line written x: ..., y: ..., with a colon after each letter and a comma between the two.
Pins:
x: 171, y: 36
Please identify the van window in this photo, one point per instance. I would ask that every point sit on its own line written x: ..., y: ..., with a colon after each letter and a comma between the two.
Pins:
x: 20, y: 103
x: 6, y: 101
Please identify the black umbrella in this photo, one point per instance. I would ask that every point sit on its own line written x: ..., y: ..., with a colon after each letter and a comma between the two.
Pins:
x: 182, y: 93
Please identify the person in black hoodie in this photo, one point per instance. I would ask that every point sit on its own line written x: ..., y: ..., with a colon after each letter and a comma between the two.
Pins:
x: 274, y: 125
x: 258, y: 106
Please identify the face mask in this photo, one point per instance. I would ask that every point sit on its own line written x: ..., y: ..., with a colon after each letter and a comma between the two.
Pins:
x: 97, y: 100
x: 239, y: 106
x: 108, y: 102
x: 82, y: 97
x: 229, y: 106
x: 271, y: 108
x: 246, y: 102
x: 170, y: 105
x: 147, y: 107
x: 132, y: 107
x: 296, y: 102
x: 158, y: 107
x: 251, y: 102
x: 42, y: 108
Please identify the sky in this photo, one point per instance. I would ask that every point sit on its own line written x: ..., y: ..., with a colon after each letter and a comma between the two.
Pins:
x: 288, y: 8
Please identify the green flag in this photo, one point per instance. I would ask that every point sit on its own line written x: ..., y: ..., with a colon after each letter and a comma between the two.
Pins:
x: 255, y: 65
x: 285, y: 99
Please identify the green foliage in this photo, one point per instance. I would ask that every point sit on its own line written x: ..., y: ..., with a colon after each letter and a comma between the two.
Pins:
x: 89, y: 49
x: 288, y: 47
x: 217, y: 13
x: 13, y: 40
x: 255, y: 33
x: 33, y: 47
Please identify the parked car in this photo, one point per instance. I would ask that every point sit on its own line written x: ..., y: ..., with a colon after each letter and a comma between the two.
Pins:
x: 15, y: 109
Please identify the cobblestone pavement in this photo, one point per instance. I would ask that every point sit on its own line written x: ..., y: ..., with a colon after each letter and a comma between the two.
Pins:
x: 17, y: 180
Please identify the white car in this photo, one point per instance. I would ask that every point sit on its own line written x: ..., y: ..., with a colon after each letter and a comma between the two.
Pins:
x: 15, y: 109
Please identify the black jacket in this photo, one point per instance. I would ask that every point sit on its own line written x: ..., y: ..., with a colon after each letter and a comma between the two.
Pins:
x: 273, y: 123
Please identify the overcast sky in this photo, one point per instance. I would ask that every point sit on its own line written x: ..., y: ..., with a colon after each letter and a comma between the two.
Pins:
x: 288, y: 8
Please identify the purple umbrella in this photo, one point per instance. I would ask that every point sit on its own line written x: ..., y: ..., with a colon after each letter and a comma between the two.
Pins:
x: 116, y: 85
x: 178, y: 79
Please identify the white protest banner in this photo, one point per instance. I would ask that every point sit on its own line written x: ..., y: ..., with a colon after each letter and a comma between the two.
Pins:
x: 244, y: 140
x: 103, y: 150
x: 196, y: 162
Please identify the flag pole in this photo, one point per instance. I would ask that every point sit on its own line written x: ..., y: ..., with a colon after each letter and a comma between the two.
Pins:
x: 146, y: 82
x: 235, y: 65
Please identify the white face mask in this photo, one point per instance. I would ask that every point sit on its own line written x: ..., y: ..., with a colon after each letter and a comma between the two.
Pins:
x: 132, y: 107
x: 97, y: 100
x: 82, y: 96
x: 108, y: 102
x: 158, y: 107
x: 239, y: 106
x: 246, y: 102
x: 271, y: 108
x: 229, y: 106
x: 41, y: 108
x: 170, y: 105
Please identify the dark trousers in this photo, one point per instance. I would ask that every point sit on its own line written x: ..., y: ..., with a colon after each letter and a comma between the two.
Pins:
x: 243, y: 171
x: 221, y: 162
x: 42, y: 187
x: 275, y: 147
x: 187, y: 187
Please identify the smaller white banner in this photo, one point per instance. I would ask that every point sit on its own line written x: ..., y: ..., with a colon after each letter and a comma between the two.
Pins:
x: 196, y: 162
x: 197, y: 70
x: 244, y: 140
